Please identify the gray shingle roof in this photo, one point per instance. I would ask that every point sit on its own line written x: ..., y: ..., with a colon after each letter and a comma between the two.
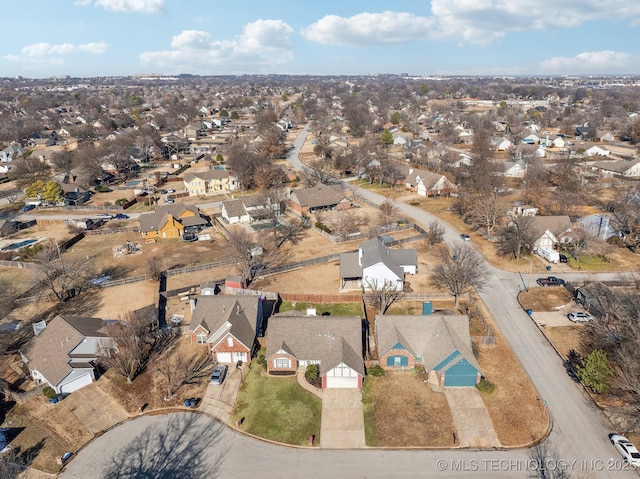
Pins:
x: 207, y: 175
x: 318, y: 196
x: 554, y: 224
x: 329, y: 339
x: 212, y: 312
x: 374, y: 252
x: 434, y: 337
x: 349, y: 266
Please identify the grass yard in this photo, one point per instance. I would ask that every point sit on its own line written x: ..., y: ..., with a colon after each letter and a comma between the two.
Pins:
x: 565, y: 338
x: 412, y: 416
x: 334, y: 309
x: 277, y: 408
x: 545, y: 299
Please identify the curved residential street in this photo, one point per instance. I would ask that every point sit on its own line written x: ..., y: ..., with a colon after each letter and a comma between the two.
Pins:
x: 191, y: 445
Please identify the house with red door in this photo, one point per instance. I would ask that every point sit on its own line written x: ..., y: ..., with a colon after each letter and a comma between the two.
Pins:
x: 333, y: 343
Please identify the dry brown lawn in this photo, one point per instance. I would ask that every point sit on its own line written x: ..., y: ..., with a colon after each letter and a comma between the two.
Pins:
x: 408, y: 413
x: 565, y: 339
x: 545, y: 299
x: 514, y: 406
x: 45, y: 431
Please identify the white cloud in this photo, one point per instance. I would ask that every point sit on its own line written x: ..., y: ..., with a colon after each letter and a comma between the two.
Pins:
x: 605, y: 62
x: 262, y: 45
x: 136, y: 6
x: 369, y: 29
x: 472, y: 21
x: 43, y: 49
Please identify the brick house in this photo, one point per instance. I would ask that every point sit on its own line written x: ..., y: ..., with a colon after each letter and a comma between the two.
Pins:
x: 226, y: 325
x: 333, y: 343
x: 320, y: 197
x: 440, y: 343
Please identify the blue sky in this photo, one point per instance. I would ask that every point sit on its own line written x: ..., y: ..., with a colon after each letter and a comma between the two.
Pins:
x: 84, y: 38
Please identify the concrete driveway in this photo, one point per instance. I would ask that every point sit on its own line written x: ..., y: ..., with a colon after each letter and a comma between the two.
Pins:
x: 95, y: 408
x: 342, y: 424
x: 473, y: 425
x: 219, y: 400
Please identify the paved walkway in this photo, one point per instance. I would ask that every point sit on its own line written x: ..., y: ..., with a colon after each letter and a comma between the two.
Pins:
x: 97, y: 410
x: 342, y: 425
x: 473, y: 425
x: 305, y: 384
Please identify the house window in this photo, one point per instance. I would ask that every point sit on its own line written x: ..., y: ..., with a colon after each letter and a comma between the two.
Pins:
x: 397, y: 361
x: 230, y: 341
x: 201, y: 338
x: 282, y: 363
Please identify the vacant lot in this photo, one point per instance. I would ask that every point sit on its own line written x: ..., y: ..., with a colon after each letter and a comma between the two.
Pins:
x: 545, y: 299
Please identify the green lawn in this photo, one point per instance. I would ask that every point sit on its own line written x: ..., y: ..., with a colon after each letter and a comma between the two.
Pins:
x: 334, y: 309
x: 369, y: 409
x: 278, y: 409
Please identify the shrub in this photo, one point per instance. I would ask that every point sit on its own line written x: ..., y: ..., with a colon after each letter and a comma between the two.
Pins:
x: 415, y: 203
x: 48, y: 392
x: 485, y: 386
x: 312, y: 372
x: 262, y: 361
x: 323, y: 227
x: 375, y: 371
x: 102, y: 189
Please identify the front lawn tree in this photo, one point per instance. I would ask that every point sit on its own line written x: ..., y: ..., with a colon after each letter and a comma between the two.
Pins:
x: 460, y: 271
x: 594, y: 372
x: 52, y: 193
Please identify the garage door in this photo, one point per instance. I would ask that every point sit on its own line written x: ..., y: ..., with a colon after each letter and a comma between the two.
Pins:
x: 461, y: 374
x: 334, y: 382
x: 223, y: 357
x: 76, y: 384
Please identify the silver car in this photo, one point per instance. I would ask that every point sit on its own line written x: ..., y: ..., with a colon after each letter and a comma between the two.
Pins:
x: 628, y: 450
x: 218, y: 374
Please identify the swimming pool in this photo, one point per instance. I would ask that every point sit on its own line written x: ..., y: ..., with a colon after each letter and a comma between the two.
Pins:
x: 21, y: 244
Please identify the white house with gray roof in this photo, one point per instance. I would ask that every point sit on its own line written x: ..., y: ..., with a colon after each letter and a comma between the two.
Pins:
x: 375, y: 265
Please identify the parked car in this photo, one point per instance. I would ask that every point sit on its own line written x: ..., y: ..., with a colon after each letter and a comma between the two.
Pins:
x: 579, y: 317
x: 28, y: 208
x: 104, y: 215
x: 628, y: 450
x: 465, y: 237
x: 170, y: 190
x: 563, y: 258
x: 218, y: 374
x: 169, y: 200
x: 121, y: 216
x: 551, y: 281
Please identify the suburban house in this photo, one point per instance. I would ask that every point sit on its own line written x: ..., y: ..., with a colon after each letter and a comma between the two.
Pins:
x: 320, y: 197
x: 172, y: 221
x: 596, y: 297
x: 11, y: 153
x: 524, y: 210
x: 595, y: 150
x: 62, y: 354
x: 440, y: 343
x: 513, y: 169
x: 209, y: 182
x: 333, y: 343
x: 226, y: 325
x: 426, y: 183
x: 500, y: 143
x: 374, y: 266
x: 249, y: 209
x: 551, y: 230
x: 629, y: 169
x: 598, y: 225
x: 74, y: 194
x: 531, y: 139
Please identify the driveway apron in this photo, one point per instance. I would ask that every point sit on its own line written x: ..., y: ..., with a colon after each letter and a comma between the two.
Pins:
x: 219, y: 400
x: 342, y: 424
x: 470, y: 418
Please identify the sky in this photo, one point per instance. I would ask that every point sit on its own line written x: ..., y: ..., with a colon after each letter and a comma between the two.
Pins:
x: 87, y: 38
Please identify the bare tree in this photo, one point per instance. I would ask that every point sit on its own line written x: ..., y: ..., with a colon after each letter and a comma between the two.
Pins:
x: 488, y: 210
x: 344, y: 222
x: 29, y: 170
x: 178, y: 370
x: 435, y: 233
x: 459, y: 272
x: 245, y: 250
x: 517, y: 236
x: 381, y: 294
x: 62, y: 275
x: 319, y: 171
x: 154, y: 265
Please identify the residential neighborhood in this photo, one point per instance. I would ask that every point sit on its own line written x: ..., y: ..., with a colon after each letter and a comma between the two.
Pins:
x: 318, y: 272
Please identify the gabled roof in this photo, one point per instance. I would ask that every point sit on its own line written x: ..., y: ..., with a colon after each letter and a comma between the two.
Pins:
x: 374, y: 251
x: 554, y: 224
x: 436, y: 337
x: 48, y: 352
x: 185, y: 215
x: 318, y: 196
x: 329, y: 339
x: 207, y: 175
x: 212, y: 312
x: 620, y: 166
x: 428, y: 178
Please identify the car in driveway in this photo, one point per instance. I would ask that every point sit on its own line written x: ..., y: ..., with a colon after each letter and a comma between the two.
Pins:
x: 218, y: 374
x: 121, y: 216
x: 465, y: 237
x: 579, y: 317
x: 563, y: 258
x: 629, y: 452
x: 551, y: 281
x: 28, y: 208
